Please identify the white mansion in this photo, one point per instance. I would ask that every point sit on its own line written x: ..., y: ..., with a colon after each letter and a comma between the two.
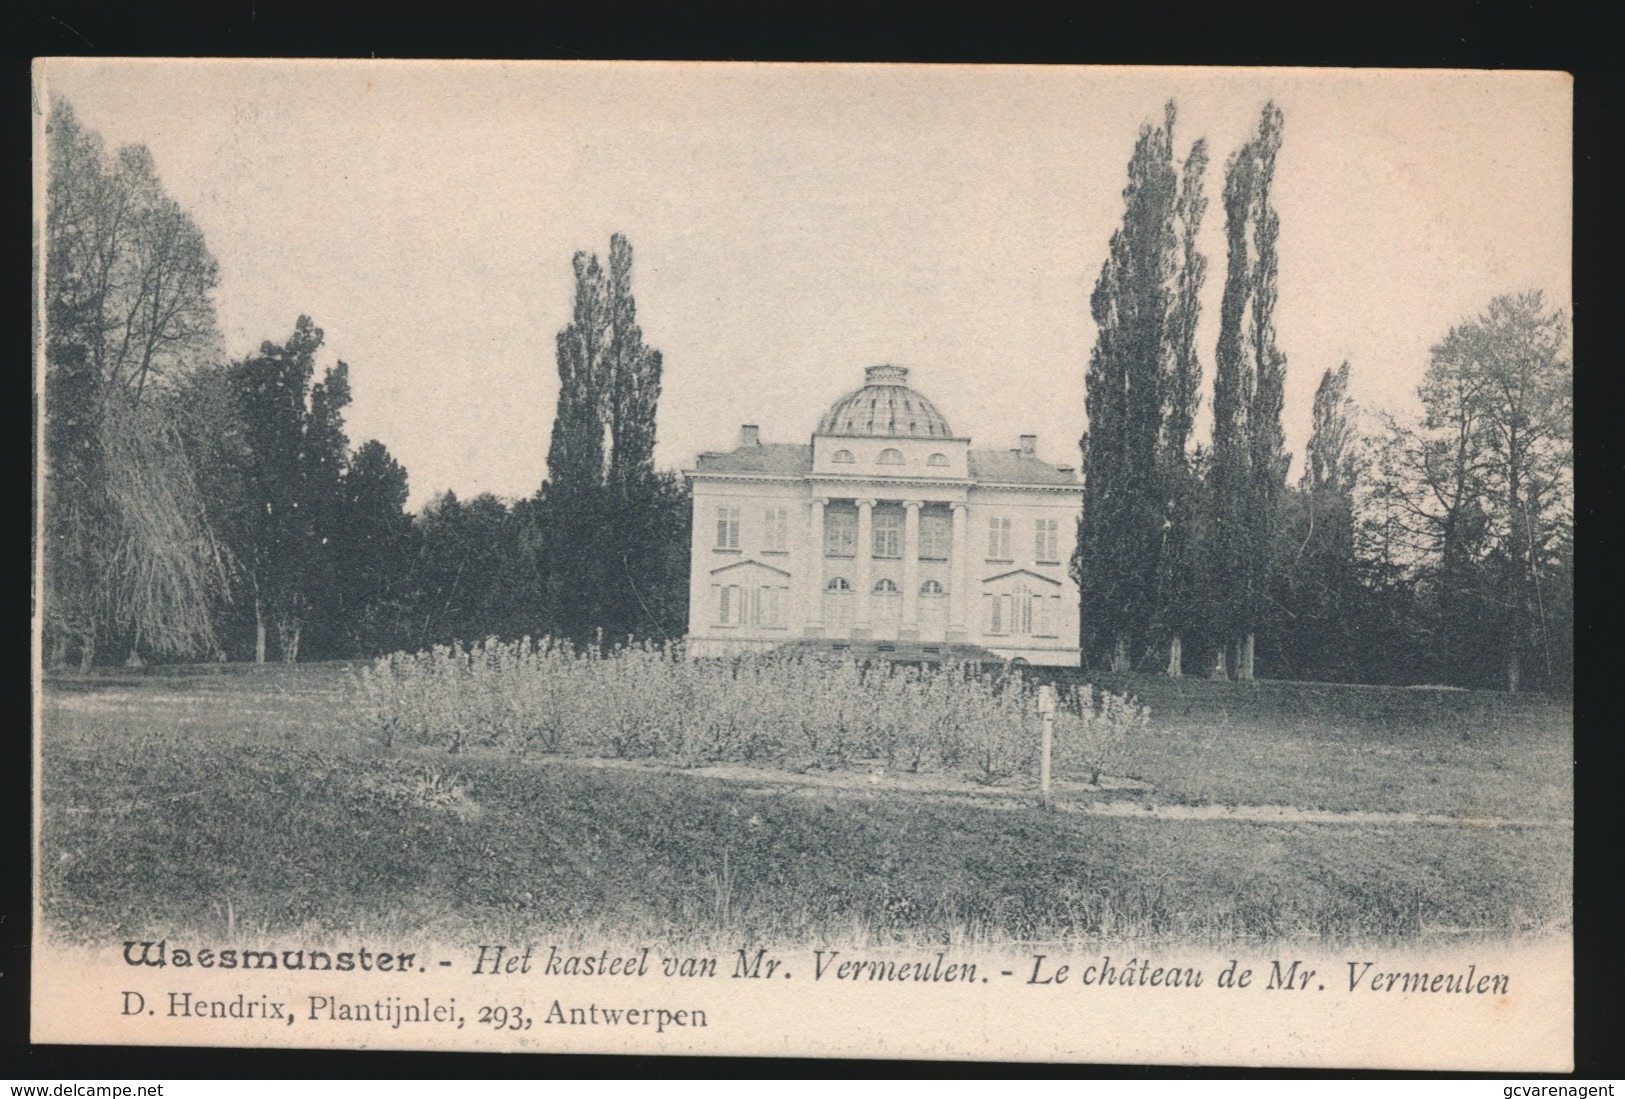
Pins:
x: 886, y: 532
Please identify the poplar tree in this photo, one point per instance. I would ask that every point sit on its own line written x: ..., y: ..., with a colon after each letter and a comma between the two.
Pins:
x: 1249, y: 460
x: 638, y: 501
x: 597, y: 506
x: 1179, y: 598
x: 1317, y: 600
x: 575, y: 458
x: 1140, y: 389
x: 632, y: 382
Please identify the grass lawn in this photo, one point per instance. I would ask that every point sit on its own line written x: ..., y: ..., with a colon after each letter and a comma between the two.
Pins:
x: 1382, y: 749
x: 249, y: 800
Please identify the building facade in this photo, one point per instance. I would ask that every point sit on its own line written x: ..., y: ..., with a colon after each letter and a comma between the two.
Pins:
x: 885, y: 529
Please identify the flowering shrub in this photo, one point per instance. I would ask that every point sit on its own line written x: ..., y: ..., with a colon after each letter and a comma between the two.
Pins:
x: 1095, y: 738
x: 796, y: 710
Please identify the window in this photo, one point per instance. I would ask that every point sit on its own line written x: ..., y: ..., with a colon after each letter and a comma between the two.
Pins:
x: 776, y: 530
x: 937, y: 460
x: 1041, y: 623
x: 837, y: 583
x: 931, y: 587
x: 1046, y: 538
x: 891, y: 456
x: 840, y: 533
x: 728, y: 608
x: 727, y: 528
x: 760, y: 606
x: 1021, y: 612
x: 769, y: 609
x: 934, y: 532
x: 842, y: 457
x: 998, y: 538
x: 885, y: 587
x: 888, y: 534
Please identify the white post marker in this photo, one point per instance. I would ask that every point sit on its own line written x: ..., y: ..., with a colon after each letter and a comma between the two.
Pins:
x: 1046, y: 714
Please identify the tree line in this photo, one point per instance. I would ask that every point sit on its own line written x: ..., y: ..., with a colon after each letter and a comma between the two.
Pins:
x: 1438, y: 551
x: 202, y: 507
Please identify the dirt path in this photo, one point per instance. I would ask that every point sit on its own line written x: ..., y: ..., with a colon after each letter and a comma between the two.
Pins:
x: 1286, y: 814
x: 1114, y: 797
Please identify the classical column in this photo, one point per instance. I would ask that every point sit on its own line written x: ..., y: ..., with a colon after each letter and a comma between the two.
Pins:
x: 814, y: 570
x: 861, y: 583
x: 910, y: 629
x: 959, y: 575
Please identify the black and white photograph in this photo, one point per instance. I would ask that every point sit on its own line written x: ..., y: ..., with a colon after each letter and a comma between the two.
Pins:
x: 941, y: 562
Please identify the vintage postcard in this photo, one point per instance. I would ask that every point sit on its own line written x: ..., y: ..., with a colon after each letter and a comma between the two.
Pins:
x: 1019, y: 563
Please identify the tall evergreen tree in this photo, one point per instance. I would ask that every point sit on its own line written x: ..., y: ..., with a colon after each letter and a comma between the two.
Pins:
x: 1249, y: 459
x: 1140, y: 399
x: 295, y: 455
x: 324, y: 465
x: 375, y: 539
x: 469, y: 571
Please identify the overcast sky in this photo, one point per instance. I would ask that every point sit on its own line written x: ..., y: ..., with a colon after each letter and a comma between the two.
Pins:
x: 793, y: 225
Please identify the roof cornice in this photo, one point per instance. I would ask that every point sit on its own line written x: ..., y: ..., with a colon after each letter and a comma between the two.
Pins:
x: 877, y: 482
x: 1024, y: 486
x: 911, y: 438
x: 739, y: 475
x: 891, y: 482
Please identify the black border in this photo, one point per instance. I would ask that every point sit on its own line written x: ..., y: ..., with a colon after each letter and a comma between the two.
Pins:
x: 1455, y: 34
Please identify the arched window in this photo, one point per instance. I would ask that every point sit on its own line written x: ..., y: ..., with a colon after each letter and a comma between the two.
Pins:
x: 931, y: 587
x: 885, y: 587
x: 837, y: 583
x: 842, y: 457
x: 891, y: 456
x: 937, y: 460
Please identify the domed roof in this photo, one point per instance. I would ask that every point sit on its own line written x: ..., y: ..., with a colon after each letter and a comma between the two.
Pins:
x: 885, y: 406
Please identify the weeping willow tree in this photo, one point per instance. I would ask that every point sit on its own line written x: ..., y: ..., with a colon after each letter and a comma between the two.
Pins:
x: 130, y: 559
x: 165, y: 569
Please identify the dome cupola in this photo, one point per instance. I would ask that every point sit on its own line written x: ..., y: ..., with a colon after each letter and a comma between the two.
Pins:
x: 885, y: 407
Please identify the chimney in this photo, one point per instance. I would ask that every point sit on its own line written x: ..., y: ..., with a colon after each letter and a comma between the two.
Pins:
x: 1029, y: 446
x: 749, y: 436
